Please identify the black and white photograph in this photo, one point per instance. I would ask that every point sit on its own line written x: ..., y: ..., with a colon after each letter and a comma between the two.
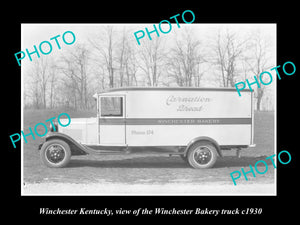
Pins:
x: 176, y: 108
x: 150, y: 112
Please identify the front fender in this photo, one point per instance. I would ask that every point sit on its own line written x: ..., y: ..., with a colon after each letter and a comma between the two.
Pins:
x: 76, y: 148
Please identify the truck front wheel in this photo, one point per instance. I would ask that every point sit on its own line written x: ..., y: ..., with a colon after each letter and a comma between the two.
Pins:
x: 202, y: 155
x: 55, y: 153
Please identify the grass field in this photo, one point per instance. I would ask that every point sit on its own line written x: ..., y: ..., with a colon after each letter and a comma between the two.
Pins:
x: 144, y: 169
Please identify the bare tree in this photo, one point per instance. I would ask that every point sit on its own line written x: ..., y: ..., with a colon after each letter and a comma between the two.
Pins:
x: 104, y: 46
x: 52, y: 82
x: 258, y: 63
x: 151, y: 60
x: 41, y: 83
x: 184, y: 61
x: 131, y: 68
x: 228, y: 51
x: 198, y: 73
x: 74, y: 67
x: 109, y: 57
x: 35, y: 94
x: 39, y: 76
x: 126, y: 60
x: 122, y: 58
x: 114, y: 57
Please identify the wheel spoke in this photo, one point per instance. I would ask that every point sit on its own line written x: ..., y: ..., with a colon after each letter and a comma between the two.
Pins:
x: 55, y: 153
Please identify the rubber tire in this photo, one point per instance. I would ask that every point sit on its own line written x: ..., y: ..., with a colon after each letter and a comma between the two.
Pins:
x: 66, y: 149
x: 193, y: 148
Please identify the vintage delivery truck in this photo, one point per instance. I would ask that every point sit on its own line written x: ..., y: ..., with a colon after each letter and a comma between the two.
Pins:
x: 194, y: 123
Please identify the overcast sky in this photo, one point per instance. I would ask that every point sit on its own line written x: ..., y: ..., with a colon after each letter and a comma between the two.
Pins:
x: 34, y: 34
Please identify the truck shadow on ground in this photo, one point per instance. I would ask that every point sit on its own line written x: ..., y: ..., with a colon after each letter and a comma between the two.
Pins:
x: 164, y: 162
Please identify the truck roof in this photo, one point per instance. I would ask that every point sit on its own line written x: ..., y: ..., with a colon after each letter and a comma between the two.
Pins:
x: 169, y: 89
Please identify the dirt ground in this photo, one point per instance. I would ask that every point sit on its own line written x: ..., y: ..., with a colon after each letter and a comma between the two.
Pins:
x: 150, y: 174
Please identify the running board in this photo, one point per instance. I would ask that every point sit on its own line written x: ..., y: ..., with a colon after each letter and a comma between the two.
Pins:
x: 88, y: 150
x: 104, y: 152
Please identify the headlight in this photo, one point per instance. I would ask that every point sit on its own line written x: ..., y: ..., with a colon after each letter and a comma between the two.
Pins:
x: 53, y: 128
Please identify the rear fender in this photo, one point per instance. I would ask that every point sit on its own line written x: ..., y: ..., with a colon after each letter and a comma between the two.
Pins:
x: 203, y: 138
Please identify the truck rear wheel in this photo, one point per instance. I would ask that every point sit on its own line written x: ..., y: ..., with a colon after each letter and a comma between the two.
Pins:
x: 202, y: 155
x: 55, y: 153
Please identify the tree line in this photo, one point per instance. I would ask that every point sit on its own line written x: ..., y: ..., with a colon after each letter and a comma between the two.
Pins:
x: 110, y: 59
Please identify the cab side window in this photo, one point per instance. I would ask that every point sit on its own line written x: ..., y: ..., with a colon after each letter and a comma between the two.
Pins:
x: 111, y: 106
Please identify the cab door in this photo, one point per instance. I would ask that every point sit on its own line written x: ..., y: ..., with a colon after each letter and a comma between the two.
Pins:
x: 112, y: 120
